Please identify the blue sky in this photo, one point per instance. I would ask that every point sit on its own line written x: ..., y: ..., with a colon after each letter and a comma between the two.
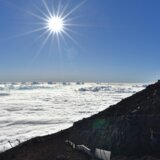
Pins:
x: 116, y: 41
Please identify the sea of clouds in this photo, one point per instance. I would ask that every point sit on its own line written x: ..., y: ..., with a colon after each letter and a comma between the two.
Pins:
x: 34, y: 109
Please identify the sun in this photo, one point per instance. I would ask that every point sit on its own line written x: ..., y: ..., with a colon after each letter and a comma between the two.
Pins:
x: 55, y: 24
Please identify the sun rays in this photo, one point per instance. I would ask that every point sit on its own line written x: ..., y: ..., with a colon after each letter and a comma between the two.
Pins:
x: 54, y: 22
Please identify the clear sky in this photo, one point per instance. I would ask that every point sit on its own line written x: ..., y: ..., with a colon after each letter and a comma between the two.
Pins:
x: 111, y: 40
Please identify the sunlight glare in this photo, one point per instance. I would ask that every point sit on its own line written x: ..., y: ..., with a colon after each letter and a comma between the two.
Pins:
x: 55, y: 24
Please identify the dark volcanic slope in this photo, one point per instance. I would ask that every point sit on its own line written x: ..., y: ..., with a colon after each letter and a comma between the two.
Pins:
x: 129, y: 128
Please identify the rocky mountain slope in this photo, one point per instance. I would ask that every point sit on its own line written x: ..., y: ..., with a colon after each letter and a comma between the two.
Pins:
x: 130, y: 129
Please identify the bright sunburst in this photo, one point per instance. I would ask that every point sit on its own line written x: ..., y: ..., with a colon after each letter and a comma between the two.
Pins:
x: 54, y: 21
